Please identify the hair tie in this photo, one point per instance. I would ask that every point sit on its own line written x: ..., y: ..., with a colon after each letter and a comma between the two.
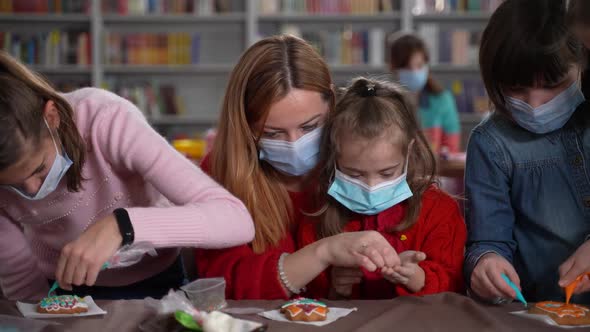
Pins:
x: 369, y: 91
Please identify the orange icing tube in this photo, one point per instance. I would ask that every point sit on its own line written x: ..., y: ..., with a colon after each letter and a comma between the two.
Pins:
x: 569, y: 289
x: 562, y: 309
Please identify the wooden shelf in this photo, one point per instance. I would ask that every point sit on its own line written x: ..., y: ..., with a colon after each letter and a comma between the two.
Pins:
x: 351, y: 18
x: 63, y: 70
x: 181, y: 120
x: 471, y: 117
x: 351, y: 69
x: 220, y: 69
x: 43, y: 18
x: 454, y: 69
x: 457, y: 17
x: 175, y: 18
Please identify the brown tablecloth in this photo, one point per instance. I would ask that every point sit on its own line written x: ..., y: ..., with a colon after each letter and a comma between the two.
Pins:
x: 442, y: 312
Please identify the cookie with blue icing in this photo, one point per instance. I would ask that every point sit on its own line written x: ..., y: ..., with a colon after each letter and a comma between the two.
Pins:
x: 63, y: 304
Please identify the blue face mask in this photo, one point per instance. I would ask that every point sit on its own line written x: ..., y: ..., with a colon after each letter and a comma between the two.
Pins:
x: 293, y: 158
x: 549, y: 116
x: 357, y: 196
x: 60, y: 166
x: 414, y: 80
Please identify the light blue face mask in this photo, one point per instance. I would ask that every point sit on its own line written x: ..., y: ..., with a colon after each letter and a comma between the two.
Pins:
x: 359, y: 197
x: 414, y: 80
x: 60, y: 166
x: 293, y: 158
x: 549, y: 116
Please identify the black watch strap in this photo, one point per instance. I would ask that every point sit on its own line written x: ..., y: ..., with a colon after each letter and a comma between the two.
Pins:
x: 125, y: 226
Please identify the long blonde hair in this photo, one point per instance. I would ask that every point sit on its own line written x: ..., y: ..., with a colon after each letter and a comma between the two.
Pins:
x: 389, y: 112
x: 23, y: 95
x: 265, y: 74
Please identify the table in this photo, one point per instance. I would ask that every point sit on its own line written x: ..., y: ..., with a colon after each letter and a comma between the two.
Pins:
x: 441, y: 312
x: 451, y: 168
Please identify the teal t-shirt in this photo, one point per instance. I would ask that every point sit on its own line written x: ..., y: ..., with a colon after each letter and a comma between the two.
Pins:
x: 439, y: 111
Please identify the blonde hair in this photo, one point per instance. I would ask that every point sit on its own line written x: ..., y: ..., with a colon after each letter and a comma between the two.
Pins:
x: 23, y: 95
x: 265, y: 74
x: 367, y: 114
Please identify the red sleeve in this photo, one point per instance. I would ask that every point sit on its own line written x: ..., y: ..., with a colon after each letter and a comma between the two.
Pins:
x: 444, y: 240
x: 247, y: 275
x: 205, y: 164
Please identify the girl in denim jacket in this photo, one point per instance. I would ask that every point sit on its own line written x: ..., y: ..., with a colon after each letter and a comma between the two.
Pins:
x: 527, y: 175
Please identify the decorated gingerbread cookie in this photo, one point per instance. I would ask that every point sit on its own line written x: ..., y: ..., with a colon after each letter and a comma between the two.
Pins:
x: 561, y: 313
x: 63, y: 304
x: 305, y: 310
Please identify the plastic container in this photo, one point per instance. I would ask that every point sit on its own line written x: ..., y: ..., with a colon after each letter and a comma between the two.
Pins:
x: 192, y: 148
x: 206, y: 294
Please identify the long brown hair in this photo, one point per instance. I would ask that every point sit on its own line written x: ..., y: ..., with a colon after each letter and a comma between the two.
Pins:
x: 388, y: 112
x: 265, y: 74
x: 526, y: 42
x: 23, y: 95
x: 401, y: 50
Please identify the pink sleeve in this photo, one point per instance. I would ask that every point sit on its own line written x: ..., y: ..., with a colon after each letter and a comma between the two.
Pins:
x: 20, y: 277
x: 204, y: 214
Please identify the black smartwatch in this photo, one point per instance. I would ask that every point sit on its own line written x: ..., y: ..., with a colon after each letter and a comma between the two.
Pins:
x: 125, y: 226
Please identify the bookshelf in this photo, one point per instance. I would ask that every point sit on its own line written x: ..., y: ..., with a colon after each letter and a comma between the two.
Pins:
x: 237, y: 18
x: 63, y: 70
x: 44, y: 18
x: 197, y: 69
x: 337, y: 18
x: 477, y: 17
x: 224, y: 35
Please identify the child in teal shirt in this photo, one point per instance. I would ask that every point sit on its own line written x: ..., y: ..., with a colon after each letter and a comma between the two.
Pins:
x: 436, y: 107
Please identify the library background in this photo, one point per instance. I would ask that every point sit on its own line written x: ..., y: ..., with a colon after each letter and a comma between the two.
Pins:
x: 172, y: 58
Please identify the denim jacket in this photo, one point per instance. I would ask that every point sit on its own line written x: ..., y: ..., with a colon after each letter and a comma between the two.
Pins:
x: 528, y: 199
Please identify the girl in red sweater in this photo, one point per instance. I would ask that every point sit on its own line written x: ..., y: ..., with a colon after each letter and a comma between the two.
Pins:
x: 265, y: 152
x: 378, y: 174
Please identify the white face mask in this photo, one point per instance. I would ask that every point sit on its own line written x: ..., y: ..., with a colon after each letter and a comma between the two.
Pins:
x: 550, y: 116
x: 294, y: 158
x: 56, y: 173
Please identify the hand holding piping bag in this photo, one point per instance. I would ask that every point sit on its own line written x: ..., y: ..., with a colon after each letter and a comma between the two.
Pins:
x: 574, y: 272
x: 126, y: 256
x: 519, y: 295
x: 569, y: 289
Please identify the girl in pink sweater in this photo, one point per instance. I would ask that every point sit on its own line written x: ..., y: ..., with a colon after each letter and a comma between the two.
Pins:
x: 82, y: 174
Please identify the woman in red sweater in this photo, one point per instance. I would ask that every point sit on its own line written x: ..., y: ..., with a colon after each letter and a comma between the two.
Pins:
x: 267, y: 145
x: 378, y: 174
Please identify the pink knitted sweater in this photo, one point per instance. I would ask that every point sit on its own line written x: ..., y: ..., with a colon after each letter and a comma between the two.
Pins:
x: 171, y: 202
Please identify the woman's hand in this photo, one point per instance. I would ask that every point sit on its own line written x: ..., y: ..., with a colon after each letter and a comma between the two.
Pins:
x: 367, y: 249
x: 343, y: 278
x: 576, y: 265
x: 409, y: 273
x: 81, y: 260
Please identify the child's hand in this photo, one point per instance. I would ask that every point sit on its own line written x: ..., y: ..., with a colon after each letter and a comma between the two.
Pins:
x: 486, y: 279
x: 577, y: 264
x: 409, y: 273
x: 367, y: 249
x: 81, y: 260
x: 343, y: 278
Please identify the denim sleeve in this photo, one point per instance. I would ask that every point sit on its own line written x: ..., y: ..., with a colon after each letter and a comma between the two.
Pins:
x: 488, y: 210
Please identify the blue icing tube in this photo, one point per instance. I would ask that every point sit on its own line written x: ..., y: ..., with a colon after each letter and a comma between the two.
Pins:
x: 55, y: 285
x: 513, y: 286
